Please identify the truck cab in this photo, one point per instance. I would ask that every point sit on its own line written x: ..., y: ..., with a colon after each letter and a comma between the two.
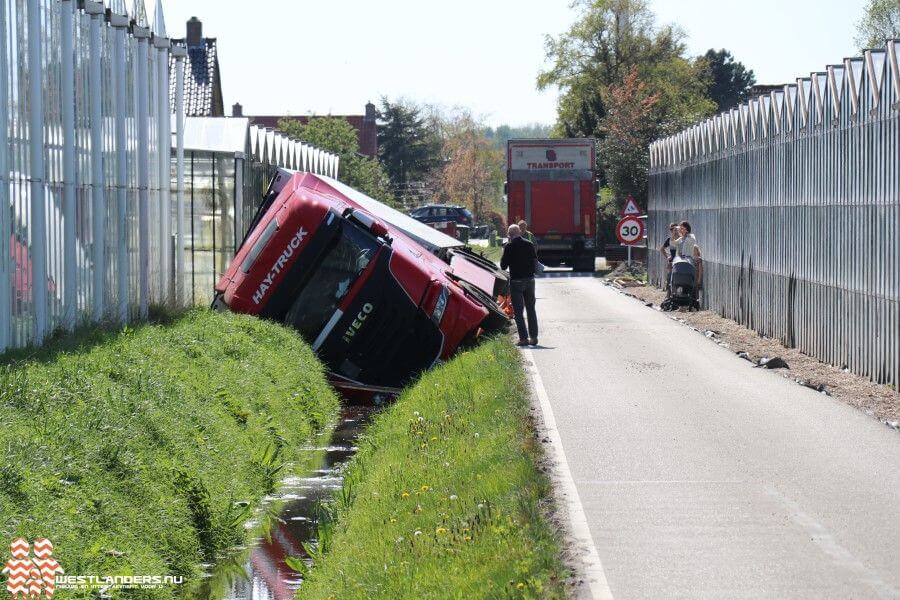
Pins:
x: 375, y: 306
x: 551, y: 184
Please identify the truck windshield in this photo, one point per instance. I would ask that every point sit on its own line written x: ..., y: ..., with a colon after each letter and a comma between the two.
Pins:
x: 344, y: 261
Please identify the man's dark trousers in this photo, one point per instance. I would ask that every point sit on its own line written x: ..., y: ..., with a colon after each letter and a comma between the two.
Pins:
x: 522, y: 291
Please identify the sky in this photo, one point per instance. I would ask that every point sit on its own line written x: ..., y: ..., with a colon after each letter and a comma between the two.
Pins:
x: 331, y: 57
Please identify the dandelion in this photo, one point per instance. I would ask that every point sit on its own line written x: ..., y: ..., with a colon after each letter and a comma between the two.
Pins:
x: 425, y: 488
x: 416, y: 413
x: 453, y: 497
x: 434, y: 438
x: 441, y: 530
x: 468, y: 538
x: 520, y: 586
x: 417, y: 533
x: 404, y: 495
x: 393, y: 520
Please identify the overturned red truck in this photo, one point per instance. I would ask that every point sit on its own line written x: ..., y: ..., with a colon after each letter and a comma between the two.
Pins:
x: 379, y: 296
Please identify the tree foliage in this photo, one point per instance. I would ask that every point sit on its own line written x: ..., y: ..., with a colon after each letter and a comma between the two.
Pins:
x: 612, y: 40
x: 628, y: 130
x: 880, y: 21
x: 503, y: 133
x: 729, y: 81
x: 408, y: 147
x: 338, y: 136
x: 472, y: 173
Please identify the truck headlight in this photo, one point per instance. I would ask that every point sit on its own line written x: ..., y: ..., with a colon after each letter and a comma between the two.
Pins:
x: 441, y: 305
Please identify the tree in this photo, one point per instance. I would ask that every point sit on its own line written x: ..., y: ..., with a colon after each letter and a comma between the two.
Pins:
x: 472, y: 174
x: 612, y: 40
x: 880, y: 21
x: 606, y: 41
x: 729, y: 81
x: 628, y: 129
x: 503, y: 133
x: 408, y: 148
x: 338, y: 136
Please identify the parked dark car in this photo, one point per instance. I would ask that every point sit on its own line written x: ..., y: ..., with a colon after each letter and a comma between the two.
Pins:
x: 441, y: 213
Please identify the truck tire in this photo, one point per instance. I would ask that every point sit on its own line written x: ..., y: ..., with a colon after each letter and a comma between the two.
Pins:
x: 584, y: 264
x: 496, y: 320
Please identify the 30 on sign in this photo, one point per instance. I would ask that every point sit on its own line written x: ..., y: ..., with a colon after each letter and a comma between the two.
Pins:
x: 630, y: 231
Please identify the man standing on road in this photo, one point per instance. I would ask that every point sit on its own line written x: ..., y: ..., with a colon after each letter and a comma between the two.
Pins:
x: 519, y: 257
x: 523, y: 227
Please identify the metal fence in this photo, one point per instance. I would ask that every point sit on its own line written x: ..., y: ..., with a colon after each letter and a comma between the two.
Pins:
x: 794, y: 197
x: 85, y: 167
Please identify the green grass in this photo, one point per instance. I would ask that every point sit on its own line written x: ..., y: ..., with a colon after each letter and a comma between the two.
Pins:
x: 142, y: 451
x: 443, y: 499
x: 491, y: 252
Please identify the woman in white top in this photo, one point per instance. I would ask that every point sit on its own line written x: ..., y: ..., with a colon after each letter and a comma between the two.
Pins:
x: 686, y: 245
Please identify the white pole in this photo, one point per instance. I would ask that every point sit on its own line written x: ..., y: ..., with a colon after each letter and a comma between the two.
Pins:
x: 70, y: 282
x: 238, y: 198
x: 98, y: 200
x: 179, y: 52
x: 5, y: 225
x: 120, y: 22
x: 143, y: 118
x: 37, y: 175
x: 165, y: 160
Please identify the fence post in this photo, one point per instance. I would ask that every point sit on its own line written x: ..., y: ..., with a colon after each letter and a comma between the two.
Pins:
x: 162, y: 43
x: 238, y: 199
x: 70, y: 281
x: 5, y: 223
x: 98, y: 200
x: 142, y: 34
x: 180, y: 53
x: 37, y: 175
x: 118, y: 18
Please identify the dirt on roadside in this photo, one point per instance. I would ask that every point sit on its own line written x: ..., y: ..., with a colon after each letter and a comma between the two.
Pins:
x: 879, y: 401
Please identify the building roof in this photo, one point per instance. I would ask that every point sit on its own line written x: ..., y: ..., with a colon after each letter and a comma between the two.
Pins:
x: 202, y: 82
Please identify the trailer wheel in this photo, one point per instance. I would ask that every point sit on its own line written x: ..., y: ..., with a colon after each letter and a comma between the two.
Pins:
x: 496, y: 320
x: 584, y: 264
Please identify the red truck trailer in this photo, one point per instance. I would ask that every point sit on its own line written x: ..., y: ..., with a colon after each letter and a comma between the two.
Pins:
x: 376, y: 306
x: 552, y: 185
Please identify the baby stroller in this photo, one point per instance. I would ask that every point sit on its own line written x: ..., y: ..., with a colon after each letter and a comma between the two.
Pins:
x: 682, y: 285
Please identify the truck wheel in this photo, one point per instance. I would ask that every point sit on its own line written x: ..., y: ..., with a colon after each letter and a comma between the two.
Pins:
x: 496, y: 320
x: 584, y: 265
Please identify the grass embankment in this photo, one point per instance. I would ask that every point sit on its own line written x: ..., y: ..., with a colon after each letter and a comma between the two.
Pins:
x: 142, y: 451
x: 444, y: 497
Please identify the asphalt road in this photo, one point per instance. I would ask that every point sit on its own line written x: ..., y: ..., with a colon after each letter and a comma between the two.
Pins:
x: 702, y: 477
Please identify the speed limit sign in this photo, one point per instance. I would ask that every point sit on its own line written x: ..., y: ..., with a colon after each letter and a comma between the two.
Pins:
x: 630, y: 231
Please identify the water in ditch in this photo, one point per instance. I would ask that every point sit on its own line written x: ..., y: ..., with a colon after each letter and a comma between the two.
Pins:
x: 261, y: 571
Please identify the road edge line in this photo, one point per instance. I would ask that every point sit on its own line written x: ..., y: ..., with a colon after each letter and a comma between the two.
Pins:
x: 567, y: 493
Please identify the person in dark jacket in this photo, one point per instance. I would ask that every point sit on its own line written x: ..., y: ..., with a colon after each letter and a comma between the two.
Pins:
x: 519, y: 257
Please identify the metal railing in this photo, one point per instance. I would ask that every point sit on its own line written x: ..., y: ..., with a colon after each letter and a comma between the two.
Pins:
x: 93, y: 230
x: 794, y: 197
